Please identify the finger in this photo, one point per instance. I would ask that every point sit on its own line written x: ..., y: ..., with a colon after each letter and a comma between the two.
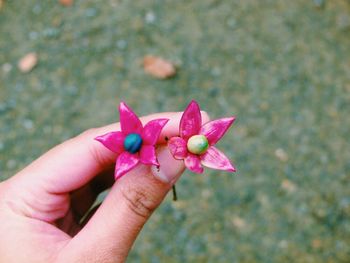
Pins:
x: 89, y: 193
x: 114, y: 227
x: 75, y: 162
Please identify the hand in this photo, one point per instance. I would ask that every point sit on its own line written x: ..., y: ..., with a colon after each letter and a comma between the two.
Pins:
x: 41, y: 207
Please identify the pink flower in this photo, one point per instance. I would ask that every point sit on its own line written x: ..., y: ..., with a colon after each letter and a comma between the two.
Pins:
x: 196, y: 142
x: 134, y: 143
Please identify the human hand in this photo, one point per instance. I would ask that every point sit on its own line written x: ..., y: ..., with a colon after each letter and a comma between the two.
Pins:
x: 42, y: 206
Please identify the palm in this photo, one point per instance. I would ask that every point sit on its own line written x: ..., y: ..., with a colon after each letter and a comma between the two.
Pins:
x: 46, y: 231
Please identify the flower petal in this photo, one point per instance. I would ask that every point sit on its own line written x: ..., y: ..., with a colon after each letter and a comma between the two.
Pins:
x: 151, y: 131
x: 193, y: 163
x: 178, y: 148
x: 191, y: 120
x: 129, y: 121
x: 148, y: 155
x: 113, y: 141
x: 215, y: 129
x: 125, y: 162
x: 213, y: 158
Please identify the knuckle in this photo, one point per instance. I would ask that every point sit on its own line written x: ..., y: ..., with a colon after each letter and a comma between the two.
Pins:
x: 139, y: 201
x: 95, y: 153
x: 96, y: 150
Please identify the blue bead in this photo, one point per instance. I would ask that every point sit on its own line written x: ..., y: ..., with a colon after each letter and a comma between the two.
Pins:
x: 133, y: 143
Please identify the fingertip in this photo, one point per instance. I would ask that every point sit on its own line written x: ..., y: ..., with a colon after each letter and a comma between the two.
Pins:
x: 169, y: 169
x: 205, y: 117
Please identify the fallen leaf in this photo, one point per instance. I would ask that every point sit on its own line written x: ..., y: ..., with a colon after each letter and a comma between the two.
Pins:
x: 281, y: 154
x: 66, y: 2
x: 158, y: 67
x: 2, y: 2
x: 28, y: 62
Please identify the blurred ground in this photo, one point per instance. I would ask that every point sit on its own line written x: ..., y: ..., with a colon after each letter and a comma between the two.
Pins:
x: 283, y: 67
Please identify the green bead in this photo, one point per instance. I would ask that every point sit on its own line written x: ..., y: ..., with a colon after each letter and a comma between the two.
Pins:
x: 133, y: 143
x: 197, y: 144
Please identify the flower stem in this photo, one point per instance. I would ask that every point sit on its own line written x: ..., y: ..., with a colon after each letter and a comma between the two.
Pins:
x: 174, y: 193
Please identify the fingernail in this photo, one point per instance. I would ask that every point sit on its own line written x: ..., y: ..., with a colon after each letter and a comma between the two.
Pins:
x: 169, y: 169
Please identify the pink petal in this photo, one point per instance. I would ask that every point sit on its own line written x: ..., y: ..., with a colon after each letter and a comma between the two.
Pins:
x: 193, y: 163
x: 215, y: 129
x: 151, y: 131
x: 191, y: 120
x: 178, y: 147
x: 113, y: 141
x: 125, y: 162
x: 148, y: 155
x: 213, y: 158
x: 129, y: 121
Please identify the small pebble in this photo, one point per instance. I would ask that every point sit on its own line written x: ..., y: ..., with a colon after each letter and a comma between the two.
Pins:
x: 51, y: 32
x: 281, y: 155
x: 238, y: 222
x: 283, y: 244
x: 6, y: 68
x: 122, y: 44
x: 28, y: 124
x: 33, y: 35
x: 216, y: 71
x: 150, y: 17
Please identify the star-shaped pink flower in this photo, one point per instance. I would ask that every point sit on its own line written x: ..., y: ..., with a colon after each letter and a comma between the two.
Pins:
x: 195, y: 145
x: 134, y: 143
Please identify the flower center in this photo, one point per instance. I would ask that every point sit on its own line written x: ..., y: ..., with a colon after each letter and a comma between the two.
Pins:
x: 133, y: 143
x: 197, y: 144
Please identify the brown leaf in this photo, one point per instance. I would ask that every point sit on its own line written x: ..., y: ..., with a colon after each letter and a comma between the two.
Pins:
x: 66, y: 2
x: 28, y: 62
x: 158, y: 67
x: 2, y: 2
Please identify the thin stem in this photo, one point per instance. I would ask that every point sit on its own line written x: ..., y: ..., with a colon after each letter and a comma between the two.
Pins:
x: 174, y: 193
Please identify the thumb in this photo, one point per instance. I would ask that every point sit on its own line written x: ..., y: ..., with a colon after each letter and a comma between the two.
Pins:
x: 111, y: 232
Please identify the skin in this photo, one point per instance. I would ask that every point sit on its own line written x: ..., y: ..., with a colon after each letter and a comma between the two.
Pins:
x: 42, y: 205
